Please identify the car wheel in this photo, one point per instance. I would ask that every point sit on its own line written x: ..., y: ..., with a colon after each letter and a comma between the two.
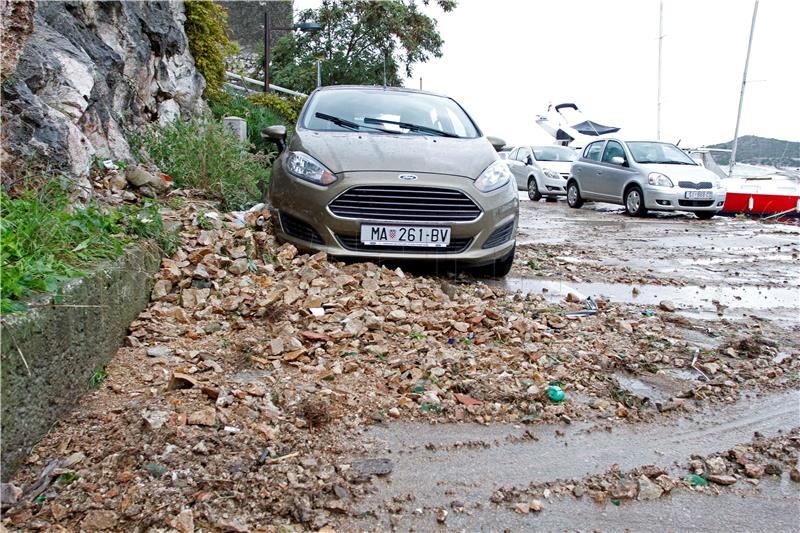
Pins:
x: 500, y: 268
x: 533, y: 190
x: 634, y: 202
x: 704, y: 215
x: 574, y: 195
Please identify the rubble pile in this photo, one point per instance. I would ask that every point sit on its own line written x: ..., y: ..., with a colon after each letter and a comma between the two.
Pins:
x: 255, y: 367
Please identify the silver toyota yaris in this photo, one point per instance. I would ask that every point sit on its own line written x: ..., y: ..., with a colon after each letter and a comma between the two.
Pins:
x: 642, y: 176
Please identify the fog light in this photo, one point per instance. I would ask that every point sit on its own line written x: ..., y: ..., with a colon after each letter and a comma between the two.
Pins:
x: 663, y: 202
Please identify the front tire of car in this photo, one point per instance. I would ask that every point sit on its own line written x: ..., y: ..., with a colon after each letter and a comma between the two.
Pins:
x: 574, y: 195
x: 533, y: 190
x: 499, y: 268
x: 634, y: 202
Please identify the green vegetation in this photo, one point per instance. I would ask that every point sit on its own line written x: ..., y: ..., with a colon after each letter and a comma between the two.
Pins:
x: 207, y: 30
x: 358, y: 36
x: 760, y: 151
x: 260, y: 111
x: 45, y: 238
x: 97, y: 378
x: 207, y: 156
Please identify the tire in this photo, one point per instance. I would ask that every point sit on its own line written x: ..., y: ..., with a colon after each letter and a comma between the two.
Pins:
x: 499, y: 268
x: 704, y: 215
x: 533, y: 190
x: 634, y: 202
x: 574, y: 195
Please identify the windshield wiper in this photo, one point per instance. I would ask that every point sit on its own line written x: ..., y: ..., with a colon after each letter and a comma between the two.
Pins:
x: 344, y: 123
x: 412, y: 127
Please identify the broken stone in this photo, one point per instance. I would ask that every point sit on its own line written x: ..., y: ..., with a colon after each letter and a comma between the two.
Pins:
x: 536, y: 505
x: 179, y: 380
x: 522, y: 508
x: 667, y: 305
x: 397, y: 314
x: 99, y: 520
x: 9, y: 494
x: 722, y: 480
x: 184, y: 522
x: 648, y: 490
x: 204, y: 417
x: 159, y: 351
x: 238, y: 267
x: 155, y: 419
x: 754, y: 471
x: 716, y: 465
x: 372, y: 467
x: 137, y: 176
x: 161, y: 288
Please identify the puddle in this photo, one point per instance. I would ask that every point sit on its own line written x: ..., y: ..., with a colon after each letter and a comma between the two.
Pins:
x: 695, y: 301
x: 432, y: 463
x: 655, y: 388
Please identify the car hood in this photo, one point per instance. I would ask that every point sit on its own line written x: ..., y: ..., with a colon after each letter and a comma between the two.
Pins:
x: 361, y: 151
x: 682, y: 172
x: 562, y: 167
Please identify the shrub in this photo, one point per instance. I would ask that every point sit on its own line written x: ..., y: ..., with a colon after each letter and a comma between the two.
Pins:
x: 45, y: 238
x: 207, y: 30
x: 288, y: 107
x: 258, y: 117
x: 207, y: 156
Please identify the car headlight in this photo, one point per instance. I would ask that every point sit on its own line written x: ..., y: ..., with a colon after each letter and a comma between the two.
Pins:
x: 659, y: 179
x: 552, y: 174
x: 495, y: 176
x: 307, y: 168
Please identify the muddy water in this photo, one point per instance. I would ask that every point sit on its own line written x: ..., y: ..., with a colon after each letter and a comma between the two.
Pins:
x: 432, y: 463
x: 738, y: 301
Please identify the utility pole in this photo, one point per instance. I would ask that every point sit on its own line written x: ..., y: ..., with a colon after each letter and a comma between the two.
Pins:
x: 741, y: 95
x: 319, y: 74
x: 660, y: 38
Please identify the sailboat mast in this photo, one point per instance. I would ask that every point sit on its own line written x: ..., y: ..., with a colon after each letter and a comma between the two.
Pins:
x: 660, y: 38
x: 741, y: 95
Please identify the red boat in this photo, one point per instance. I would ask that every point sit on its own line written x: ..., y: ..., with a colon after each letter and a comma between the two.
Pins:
x: 775, y: 194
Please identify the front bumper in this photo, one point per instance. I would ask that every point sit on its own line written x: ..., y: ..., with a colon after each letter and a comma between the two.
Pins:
x: 674, y: 199
x: 296, y: 203
x: 554, y: 186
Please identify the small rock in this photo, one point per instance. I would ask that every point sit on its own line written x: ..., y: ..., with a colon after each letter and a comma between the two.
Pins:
x: 572, y: 298
x: 600, y: 404
x: 441, y: 515
x: 578, y: 491
x: 99, y: 520
x: 522, y: 508
x: 773, y: 469
x: 397, y: 314
x: 159, y: 351
x: 536, y: 506
x: 155, y: 419
x: 184, y: 522
x: 137, y: 176
x: 794, y: 474
x: 372, y: 467
x: 238, y: 267
x: 161, y: 288
x: 667, y: 305
x: 9, y: 494
x: 665, y: 482
x: 754, y: 471
x: 716, y: 465
x: 394, y: 412
x: 181, y: 381
x: 118, y: 182
x: 204, y: 417
x: 722, y: 480
x: 648, y: 490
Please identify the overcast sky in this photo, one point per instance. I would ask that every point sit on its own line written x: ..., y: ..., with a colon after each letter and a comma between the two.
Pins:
x: 506, y: 60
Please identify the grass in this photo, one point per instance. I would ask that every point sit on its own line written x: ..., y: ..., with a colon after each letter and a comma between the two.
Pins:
x: 205, y: 155
x: 46, y: 238
x: 257, y: 116
x: 97, y: 378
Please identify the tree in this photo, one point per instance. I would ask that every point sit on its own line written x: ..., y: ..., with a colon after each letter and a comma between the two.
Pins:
x: 357, y: 36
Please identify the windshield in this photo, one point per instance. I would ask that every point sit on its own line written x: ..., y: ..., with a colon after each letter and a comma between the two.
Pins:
x: 554, y: 153
x: 398, y: 112
x: 653, y: 152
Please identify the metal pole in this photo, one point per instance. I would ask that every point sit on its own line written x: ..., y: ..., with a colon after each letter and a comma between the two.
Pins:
x: 741, y: 95
x: 267, y: 42
x: 384, y: 68
x: 319, y: 74
x: 660, y: 38
x: 420, y: 83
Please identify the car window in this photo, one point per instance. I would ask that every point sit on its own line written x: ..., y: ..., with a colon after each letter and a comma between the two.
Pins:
x: 362, y: 107
x: 613, y: 149
x: 554, y: 153
x: 658, y: 152
x: 523, y: 154
x: 594, y: 150
x: 513, y: 154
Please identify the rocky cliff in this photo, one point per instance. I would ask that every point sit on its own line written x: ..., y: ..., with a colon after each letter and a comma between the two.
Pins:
x: 86, y: 74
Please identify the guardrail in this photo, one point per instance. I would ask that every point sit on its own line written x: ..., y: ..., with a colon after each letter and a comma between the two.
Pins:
x: 245, y: 81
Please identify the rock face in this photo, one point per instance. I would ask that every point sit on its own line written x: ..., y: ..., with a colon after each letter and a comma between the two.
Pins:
x: 16, y: 23
x: 87, y: 74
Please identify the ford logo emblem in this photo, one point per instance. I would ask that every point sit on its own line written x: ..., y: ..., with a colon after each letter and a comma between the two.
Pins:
x: 407, y: 177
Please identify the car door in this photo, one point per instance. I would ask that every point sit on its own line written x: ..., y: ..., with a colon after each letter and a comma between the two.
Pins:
x: 525, y: 158
x: 585, y: 169
x: 613, y: 176
x: 516, y: 167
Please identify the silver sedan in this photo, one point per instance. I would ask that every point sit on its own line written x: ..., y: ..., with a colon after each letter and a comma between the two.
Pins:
x: 642, y: 176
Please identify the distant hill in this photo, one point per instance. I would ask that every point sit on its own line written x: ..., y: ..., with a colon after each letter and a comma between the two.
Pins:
x: 760, y: 151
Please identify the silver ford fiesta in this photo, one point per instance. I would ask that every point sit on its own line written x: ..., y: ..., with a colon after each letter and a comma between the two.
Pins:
x: 389, y: 173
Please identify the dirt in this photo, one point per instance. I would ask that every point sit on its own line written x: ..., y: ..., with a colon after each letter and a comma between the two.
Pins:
x: 242, y: 399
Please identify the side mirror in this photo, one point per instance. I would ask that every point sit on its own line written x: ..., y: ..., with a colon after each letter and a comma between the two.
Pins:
x: 617, y: 160
x: 276, y: 134
x: 529, y: 160
x: 497, y: 143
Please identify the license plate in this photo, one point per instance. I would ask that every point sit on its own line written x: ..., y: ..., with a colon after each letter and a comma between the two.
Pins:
x: 423, y: 236
x: 699, y: 195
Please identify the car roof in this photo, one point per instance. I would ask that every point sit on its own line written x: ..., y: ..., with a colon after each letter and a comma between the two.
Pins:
x: 378, y: 88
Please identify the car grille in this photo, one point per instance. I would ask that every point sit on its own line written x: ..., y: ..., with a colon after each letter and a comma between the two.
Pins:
x: 499, y: 236
x: 354, y: 244
x: 696, y: 203
x: 693, y: 185
x: 299, y: 229
x: 405, y: 204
